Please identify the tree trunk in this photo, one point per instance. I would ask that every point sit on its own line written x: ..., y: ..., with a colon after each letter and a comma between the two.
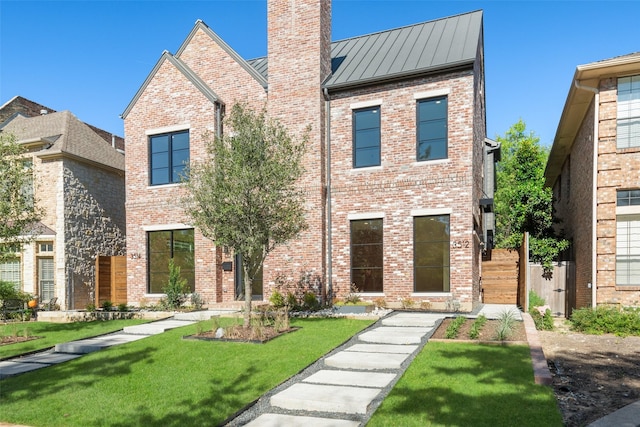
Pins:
x: 248, y: 295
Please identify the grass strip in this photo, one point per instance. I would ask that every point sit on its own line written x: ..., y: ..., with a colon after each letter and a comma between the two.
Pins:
x: 462, y: 384
x: 56, y: 333
x: 164, y: 380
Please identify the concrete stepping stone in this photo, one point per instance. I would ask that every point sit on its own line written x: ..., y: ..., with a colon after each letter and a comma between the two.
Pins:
x: 366, y: 361
x: 155, y: 328
x: 351, y: 378
x: 48, y: 358
x: 279, y: 420
x: 94, y: 344
x: 9, y: 368
x: 394, y: 335
x: 411, y: 319
x: 325, y: 398
x: 383, y: 348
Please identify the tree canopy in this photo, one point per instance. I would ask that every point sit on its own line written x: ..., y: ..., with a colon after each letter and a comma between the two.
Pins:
x: 18, y: 208
x: 244, y: 194
x: 522, y: 202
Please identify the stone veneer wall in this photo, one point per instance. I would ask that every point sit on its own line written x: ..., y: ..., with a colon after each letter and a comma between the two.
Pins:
x: 94, y: 221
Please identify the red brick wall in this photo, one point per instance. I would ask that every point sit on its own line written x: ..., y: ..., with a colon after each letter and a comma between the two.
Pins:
x: 401, y: 185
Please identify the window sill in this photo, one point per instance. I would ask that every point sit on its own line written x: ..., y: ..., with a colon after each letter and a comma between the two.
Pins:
x: 431, y: 162
x: 367, y: 169
x: 431, y: 294
x: 371, y: 294
x: 634, y: 288
x: 159, y: 186
x: 627, y: 150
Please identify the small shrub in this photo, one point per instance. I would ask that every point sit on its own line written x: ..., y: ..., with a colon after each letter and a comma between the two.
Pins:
x: 7, y: 290
x: 292, y: 302
x: 547, y: 321
x: 122, y: 307
x: 407, y: 303
x: 537, y: 319
x: 425, y: 305
x: 310, y: 301
x: 176, y: 289
x: 380, y: 302
x: 352, y: 297
x: 476, y: 327
x: 196, y: 301
x: 606, y: 320
x: 505, y: 325
x: 91, y: 307
x: 107, y: 305
x: 535, y: 300
x: 277, y: 300
x: 454, y: 327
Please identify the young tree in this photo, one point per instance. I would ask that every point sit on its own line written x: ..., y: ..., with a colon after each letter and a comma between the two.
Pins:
x: 18, y: 208
x: 522, y: 202
x: 244, y: 195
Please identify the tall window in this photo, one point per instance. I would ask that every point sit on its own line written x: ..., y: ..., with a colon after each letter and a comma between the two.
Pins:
x: 169, y: 156
x: 366, y: 255
x: 628, y: 241
x: 10, y: 272
x: 431, y: 253
x: 46, y: 282
x: 628, y: 133
x: 432, y: 129
x: 366, y: 137
x: 167, y: 244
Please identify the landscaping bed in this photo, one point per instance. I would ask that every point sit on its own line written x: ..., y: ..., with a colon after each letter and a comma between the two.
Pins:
x: 487, y: 333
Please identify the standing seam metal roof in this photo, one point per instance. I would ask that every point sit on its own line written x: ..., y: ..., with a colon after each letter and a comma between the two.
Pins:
x: 416, y: 49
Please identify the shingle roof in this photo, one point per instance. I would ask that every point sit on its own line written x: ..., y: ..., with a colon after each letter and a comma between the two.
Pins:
x: 67, y: 135
x: 402, y: 52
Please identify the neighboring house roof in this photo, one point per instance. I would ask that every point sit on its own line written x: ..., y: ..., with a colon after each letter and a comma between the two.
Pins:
x: 428, y: 47
x: 63, y: 134
x: 583, y: 88
x: 184, y: 69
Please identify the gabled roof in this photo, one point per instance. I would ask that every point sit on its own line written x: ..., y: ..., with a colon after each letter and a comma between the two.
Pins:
x: 63, y: 134
x: 200, y: 25
x: 424, y: 48
x: 184, y: 69
x: 585, y: 82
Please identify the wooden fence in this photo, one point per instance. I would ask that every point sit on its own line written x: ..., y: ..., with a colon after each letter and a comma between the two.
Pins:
x: 111, y: 280
x: 500, y: 277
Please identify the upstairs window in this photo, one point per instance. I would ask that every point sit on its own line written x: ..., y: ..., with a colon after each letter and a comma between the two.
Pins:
x: 366, y: 137
x: 432, y: 129
x: 169, y: 157
x: 628, y: 198
x: 628, y: 127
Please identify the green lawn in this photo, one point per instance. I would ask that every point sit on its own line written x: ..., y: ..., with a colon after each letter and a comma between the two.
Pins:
x: 55, y: 333
x: 166, y: 381
x: 455, y: 384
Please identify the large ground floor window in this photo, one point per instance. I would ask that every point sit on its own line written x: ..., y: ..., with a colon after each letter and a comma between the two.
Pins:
x: 431, y: 244
x: 167, y: 244
x: 46, y: 282
x: 10, y: 272
x: 366, y: 255
x: 628, y: 250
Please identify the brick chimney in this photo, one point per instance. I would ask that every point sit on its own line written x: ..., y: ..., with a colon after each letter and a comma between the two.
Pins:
x: 299, y: 55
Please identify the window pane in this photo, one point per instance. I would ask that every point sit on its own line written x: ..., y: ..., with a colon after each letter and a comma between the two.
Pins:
x: 432, y: 129
x: 160, y: 176
x: 180, y: 141
x: 160, y: 144
x: 431, y: 253
x: 628, y: 111
x: 628, y: 250
x: 366, y: 255
x: 169, y: 156
x: 366, y: 137
x: 10, y: 272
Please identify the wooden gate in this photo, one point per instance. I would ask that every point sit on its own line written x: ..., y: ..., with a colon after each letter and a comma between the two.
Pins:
x: 111, y: 280
x: 553, y: 289
x: 500, y: 277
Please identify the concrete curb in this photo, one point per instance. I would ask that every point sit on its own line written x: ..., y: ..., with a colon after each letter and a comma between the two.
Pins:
x: 541, y: 373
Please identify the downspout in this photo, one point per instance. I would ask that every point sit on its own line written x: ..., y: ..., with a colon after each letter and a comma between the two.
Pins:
x: 594, y: 190
x: 327, y: 113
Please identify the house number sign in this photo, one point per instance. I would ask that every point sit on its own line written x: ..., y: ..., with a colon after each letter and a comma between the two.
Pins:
x: 457, y: 244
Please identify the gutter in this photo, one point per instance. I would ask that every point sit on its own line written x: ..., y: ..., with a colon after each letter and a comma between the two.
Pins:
x: 329, y: 254
x: 594, y: 190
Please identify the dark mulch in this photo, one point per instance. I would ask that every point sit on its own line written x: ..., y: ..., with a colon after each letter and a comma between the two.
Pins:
x: 238, y: 333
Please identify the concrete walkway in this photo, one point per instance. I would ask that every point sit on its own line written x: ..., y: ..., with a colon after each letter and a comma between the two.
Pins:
x: 72, y: 350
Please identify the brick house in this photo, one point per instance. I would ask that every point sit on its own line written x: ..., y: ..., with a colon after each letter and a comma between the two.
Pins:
x: 79, y: 182
x: 394, y: 169
x: 594, y: 170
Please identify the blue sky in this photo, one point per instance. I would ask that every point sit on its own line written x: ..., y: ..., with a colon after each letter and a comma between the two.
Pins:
x: 90, y: 57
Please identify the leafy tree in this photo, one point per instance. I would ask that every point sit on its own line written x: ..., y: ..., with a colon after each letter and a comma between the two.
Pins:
x: 522, y: 202
x: 244, y: 194
x: 18, y: 209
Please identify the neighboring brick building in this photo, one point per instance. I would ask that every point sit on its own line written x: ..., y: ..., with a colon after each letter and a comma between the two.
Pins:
x: 79, y: 183
x: 596, y: 181
x: 394, y: 168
